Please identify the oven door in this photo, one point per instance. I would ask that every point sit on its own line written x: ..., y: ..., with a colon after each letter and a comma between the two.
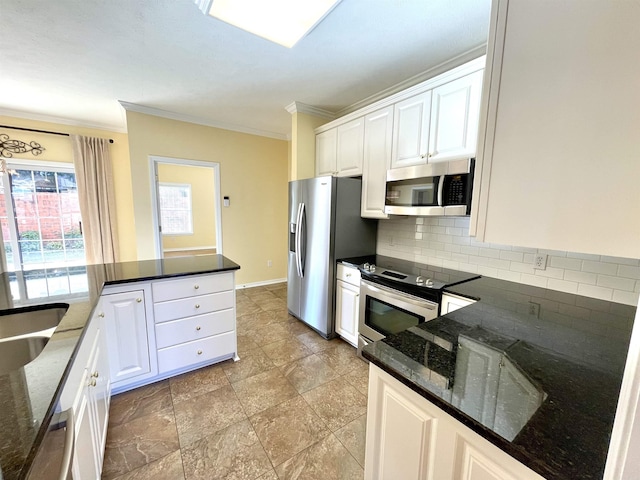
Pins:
x: 384, y: 311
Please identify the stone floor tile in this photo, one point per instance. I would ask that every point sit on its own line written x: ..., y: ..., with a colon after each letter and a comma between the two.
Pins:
x: 262, y: 391
x: 139, y: 402
x: 359, y: 378
x: 308, y: 373
x: 245, y: 344
x: 325, y: 460
x: 232, y: 453
x: 168, y: 467
x: 138, y: 442
x: 286, y: 351
x: 288, y: 428
x: 206, y: 414
x: 337, y: 403
x: 250, y: 364
x: 197, y: 382
x: 353, y: 436
x: 341, y: 357
x: 266, y: 334
x: 317, y: 343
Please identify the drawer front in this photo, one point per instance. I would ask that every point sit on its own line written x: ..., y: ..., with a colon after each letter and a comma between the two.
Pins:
x: 192, y: 353
x: 194, y: 328
x: 348, y: 274
x: 187, y: 307
x: 190, y: 286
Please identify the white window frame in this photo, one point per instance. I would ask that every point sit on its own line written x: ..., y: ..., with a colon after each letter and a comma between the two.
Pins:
x: 187, y: 187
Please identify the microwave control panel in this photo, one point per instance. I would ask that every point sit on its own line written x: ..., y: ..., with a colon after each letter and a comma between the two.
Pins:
x: 456, y: 189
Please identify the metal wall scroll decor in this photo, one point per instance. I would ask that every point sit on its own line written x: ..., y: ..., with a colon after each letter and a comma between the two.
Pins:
x: 8, y: 147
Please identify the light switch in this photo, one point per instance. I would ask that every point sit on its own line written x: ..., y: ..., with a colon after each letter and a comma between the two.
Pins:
x: 226, y: 201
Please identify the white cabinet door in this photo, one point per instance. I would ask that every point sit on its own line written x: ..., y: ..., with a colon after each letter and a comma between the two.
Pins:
x: 326, y: 153
x: 347, y: 311
x: 85, y: 462
x: 452, y: 302
x: 411, y: 131
x: 350, y: 143
x: 475, y: 385
x: 100, y: 394
x: 125, y: 322
x: 455, y: 109
x: 378, y: 135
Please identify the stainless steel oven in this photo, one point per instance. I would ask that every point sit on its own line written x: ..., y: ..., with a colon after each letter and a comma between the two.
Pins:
x: 384, y: 310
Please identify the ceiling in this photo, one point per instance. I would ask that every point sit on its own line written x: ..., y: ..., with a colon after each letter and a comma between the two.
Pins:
x: 74, y: 60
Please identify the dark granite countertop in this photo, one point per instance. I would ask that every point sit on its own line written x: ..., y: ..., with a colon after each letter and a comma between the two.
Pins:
x: 566, y: 351
x: 29, y: 395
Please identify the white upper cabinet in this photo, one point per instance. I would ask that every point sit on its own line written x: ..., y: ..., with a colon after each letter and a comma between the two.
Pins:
x: 455, y: 108
x: 411, y: 131
x: 326, y: 153
x: 350, y: 148
x: 557, y: 165
x: 378, y: 132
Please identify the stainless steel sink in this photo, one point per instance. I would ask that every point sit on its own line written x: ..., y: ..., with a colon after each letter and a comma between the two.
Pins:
x: 17, y: 353
x: 29, y: 320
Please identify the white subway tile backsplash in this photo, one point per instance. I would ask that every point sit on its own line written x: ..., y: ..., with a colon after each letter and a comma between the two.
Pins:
x: 566, y: 263
x: 599, y: 267
x: 444, y: 242
x: 617, y: 283
x: 629, y: 271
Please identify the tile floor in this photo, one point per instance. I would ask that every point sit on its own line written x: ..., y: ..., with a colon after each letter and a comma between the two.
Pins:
x: 292, y: 407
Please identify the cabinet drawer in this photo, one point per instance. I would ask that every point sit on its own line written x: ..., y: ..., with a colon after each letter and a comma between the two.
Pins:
x: 348, y: 274
x: 186, y: 307
x: 194, y: 328
x: 192, y: 353
x: 190, y: 286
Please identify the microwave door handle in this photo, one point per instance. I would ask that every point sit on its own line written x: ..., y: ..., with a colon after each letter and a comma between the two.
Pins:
x: 440, y: 190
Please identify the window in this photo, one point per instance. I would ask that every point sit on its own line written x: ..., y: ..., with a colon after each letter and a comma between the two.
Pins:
x: 175, y: 208
x: 40, y: 216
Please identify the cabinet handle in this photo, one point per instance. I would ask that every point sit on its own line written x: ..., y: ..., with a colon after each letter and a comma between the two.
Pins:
x: 92, y: 383
x: 199, y: 352
x: 197, y: 305
x: 95, y: 374
x: 348, y: 275
x: 101, y: 314
x: 138, y: 300
x: 196, y: 286
x: 198, y: 327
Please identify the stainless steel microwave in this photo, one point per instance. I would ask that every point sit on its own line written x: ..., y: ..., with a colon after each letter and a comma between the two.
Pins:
x: 435, y: 189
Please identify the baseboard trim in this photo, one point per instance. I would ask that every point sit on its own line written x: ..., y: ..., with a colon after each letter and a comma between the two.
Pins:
x: 260, y: 284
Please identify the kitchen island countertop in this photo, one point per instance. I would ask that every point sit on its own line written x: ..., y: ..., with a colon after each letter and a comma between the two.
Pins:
x: 28, y: 396
x: 569, y: 350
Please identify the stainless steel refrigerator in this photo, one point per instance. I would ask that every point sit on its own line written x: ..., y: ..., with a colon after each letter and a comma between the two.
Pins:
x: 324, y: 225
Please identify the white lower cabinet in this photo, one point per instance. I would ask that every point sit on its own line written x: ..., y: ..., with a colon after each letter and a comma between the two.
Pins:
x: 127, y: 330
x: 408, y: 437
x: 88, y: 392
x: 347, y: 303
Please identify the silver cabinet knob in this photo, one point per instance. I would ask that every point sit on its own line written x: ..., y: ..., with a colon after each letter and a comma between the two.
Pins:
x: 92, y: 383
x: 199, y: 352
x: 95, y: 374
x: 196, y: 286
x: 101, y: 314
x: 197, y: 305
x: 348, y: 275
x: 198, y: 328
x: 138, y: 300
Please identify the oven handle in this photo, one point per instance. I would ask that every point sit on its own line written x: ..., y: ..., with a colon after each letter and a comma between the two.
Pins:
x: 417, y: 301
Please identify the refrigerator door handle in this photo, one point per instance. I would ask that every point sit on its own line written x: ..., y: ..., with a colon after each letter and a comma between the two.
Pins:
x: 303, y: 239
x: 297, y: 240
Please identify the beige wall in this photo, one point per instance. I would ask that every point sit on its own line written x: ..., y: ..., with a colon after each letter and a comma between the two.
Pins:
x: 253, y: 173
x: 58, y: 149
x: 303, y: 145
x: 201, y: 180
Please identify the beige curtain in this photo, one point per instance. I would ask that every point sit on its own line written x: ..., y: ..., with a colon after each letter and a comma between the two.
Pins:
x: 94, y: 176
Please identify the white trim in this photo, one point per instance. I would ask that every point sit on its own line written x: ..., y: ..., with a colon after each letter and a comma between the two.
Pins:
x: 299, y: 107
x: 260, y: 284
x: 153, y: 170
x: 51, y: 166
x: 8, y: 112
x: 439, y: 75
x: 189, y: 249
x: 181, y: 117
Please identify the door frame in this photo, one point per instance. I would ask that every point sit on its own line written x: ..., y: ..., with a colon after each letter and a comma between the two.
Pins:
x: 154, y: 161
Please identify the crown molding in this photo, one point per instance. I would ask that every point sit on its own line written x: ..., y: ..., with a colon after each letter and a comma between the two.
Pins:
x: 299, y: 107
x: 38, y: 117
x: 416, y: 79
x: 157, y: 112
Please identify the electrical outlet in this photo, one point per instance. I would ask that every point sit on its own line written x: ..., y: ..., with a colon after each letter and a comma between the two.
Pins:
x: 269, y: 263
x: 534, y: 309
x: 540, y: 261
